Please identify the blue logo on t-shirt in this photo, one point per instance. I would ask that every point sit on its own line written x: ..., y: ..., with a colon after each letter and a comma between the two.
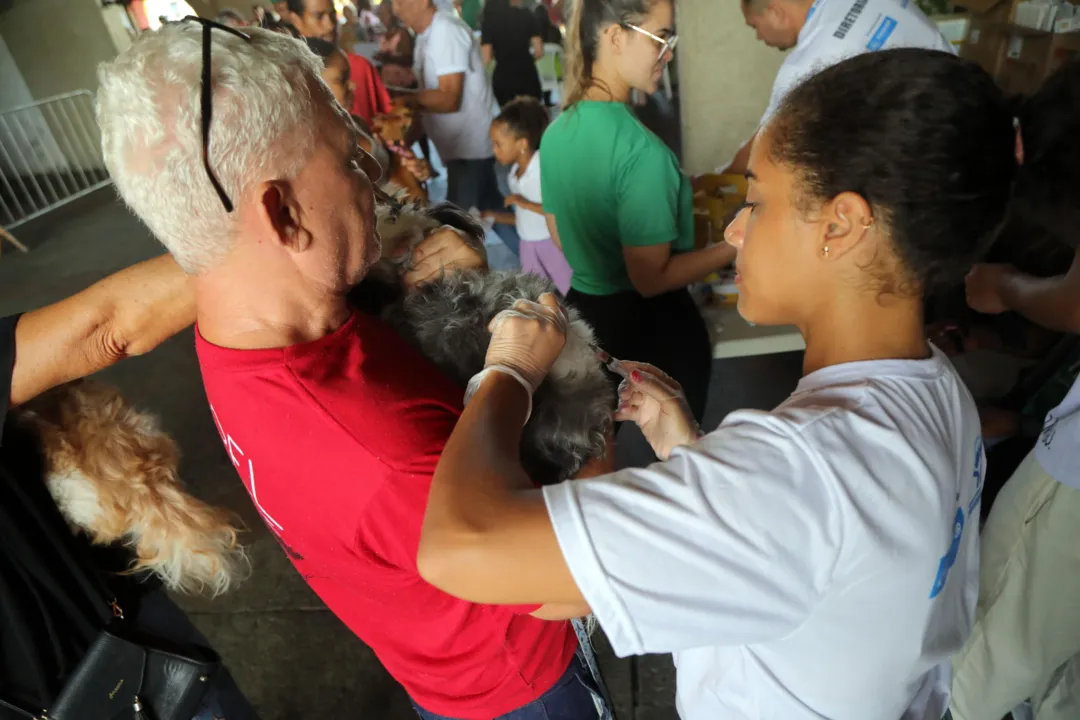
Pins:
x: 949, y: 558
x: 881, y: 34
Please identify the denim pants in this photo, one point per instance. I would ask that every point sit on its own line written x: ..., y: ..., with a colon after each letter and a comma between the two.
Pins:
x: 473, y: 184
x: 574, y: 697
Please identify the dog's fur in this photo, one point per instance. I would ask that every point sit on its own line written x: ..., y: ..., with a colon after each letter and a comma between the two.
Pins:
x: 113, y: 474
x: 447, y: 320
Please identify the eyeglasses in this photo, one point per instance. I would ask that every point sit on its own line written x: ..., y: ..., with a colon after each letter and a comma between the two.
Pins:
x: 666, y: 46
x: 208, y: 98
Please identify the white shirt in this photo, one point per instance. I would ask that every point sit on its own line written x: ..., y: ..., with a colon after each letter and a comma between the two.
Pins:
x: 805, y: 563
x: 530, y: 225
x: 838, y: 29
x: 448, y: 47
x: 1058, y: 448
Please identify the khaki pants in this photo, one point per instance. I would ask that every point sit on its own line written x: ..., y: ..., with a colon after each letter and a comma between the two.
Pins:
x: 1026, y: 640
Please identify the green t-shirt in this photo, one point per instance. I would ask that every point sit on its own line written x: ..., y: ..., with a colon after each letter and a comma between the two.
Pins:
x: 610, y: 183
x: 470, y: 13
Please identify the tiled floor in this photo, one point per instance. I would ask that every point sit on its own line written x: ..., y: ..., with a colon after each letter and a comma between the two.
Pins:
x: 293, y: 658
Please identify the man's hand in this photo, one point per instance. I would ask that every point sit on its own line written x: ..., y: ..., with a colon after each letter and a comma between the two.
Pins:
x: 657, y: 404
x: 528, y: 338
x: 984, y: 287
x: 512, y: 200
x: 441, y: 251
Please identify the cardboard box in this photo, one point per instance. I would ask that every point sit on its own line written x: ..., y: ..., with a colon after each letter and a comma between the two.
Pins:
x: 1032, y: 57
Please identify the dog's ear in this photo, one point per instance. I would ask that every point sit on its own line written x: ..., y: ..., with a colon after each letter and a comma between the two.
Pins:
x: 449, y: 214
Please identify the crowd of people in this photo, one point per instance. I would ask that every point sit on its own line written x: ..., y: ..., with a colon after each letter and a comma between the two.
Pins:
x: 819, y: 560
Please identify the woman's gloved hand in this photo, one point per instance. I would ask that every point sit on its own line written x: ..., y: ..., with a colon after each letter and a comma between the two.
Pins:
x: 442, y: 250
x: 528, y: 338
x: 657, y: 404
x: 525, y: 342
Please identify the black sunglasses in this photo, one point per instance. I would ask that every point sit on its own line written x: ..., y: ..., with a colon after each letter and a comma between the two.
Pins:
x: 208, y: 98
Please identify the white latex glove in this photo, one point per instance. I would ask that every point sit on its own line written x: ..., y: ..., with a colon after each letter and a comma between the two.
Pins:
x: 657, y: 404
x: 526, y: 340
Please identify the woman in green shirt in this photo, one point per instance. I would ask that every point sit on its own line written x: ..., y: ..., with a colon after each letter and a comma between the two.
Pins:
x: 617, y: 201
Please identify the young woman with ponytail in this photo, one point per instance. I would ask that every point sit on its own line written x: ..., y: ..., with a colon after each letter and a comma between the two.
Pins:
x: 617, y: 200
x: 820, y: 560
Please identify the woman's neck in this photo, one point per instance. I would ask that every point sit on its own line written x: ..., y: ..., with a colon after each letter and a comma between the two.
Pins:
x: 606, y: 86
x: 523, y: 162
x: 891, y: 329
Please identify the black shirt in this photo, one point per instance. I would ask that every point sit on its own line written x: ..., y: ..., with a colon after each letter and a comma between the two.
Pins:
x: 50, y: 607
x: 510, y: 30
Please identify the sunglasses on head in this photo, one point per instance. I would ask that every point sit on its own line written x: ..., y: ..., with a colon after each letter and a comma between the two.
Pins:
x: 207, y: 101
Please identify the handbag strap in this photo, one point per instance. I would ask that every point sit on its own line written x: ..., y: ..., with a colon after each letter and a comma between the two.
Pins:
x: 22, y: 712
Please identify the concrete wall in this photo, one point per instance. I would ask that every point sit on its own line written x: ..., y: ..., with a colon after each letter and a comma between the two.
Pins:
x: 725, y: 76
x: 57, y: 44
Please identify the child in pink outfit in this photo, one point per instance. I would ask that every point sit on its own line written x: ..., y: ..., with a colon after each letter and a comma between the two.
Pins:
x: 515, y: 135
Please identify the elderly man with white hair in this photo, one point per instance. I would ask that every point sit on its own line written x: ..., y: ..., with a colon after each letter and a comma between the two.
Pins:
x: 235, y: 154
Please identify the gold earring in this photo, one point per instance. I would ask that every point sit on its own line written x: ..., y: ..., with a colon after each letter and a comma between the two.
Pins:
x: 825, y: 251
x: 866, y: 225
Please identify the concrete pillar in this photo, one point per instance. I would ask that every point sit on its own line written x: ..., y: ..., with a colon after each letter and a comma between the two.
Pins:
x: 725, y: 75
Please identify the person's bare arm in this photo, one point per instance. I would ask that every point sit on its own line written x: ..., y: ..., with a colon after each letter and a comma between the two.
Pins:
x: 444, y: 99
x: 1053, y: 303
x: 553, y: 228
x: 487, y: 51
x: 128, y: 313
x: 501, y: 217
x: 742, y: 158
x: 526, y: 204
x: 537, y: 46
x: 487, y: 536
x: 654, y: 269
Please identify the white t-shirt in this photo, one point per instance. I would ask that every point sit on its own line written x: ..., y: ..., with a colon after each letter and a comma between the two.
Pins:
x: 445, y: 48
x: 530, y: 225
x: 838, y: 29
x: 816, y: 561
x: 1058, y: 448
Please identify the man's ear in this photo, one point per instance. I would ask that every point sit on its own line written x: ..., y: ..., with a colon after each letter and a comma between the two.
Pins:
x: 279, y: 213
x: 845, y: 221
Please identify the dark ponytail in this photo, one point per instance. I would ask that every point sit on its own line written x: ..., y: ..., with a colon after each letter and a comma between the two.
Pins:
x: 926, y: 138
x: 588, y: 18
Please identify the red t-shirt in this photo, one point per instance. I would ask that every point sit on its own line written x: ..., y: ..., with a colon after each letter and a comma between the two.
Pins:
x: 336, y: 441
x: 371, y: 97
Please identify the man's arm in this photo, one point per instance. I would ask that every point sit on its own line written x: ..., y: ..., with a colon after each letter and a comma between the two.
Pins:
x: 1053, y: 303
x: 537, y: 47
x: 487, y: 51
x: 444, y: 99
x: 128, y: 313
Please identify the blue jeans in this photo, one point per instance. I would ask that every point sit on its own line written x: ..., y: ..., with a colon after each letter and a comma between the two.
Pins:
x: 574, y: 697
x: 473, y: 184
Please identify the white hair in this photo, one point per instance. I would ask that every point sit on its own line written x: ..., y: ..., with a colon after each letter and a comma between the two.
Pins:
x: 265, y: 108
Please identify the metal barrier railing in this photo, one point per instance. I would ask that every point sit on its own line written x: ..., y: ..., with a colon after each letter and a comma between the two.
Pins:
x: 50, y: 154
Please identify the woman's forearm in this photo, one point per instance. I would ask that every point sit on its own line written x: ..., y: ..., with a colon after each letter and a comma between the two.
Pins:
x: 1053, y: 302
x: 487, y: 536
x: 128, y: 313
x: 679, y: 270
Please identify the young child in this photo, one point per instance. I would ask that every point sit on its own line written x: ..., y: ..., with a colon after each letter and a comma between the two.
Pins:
x: 515, y: 135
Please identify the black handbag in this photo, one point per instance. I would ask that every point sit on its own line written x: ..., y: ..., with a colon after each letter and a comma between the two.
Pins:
x: 123, y: 678
x: 64, y: 637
